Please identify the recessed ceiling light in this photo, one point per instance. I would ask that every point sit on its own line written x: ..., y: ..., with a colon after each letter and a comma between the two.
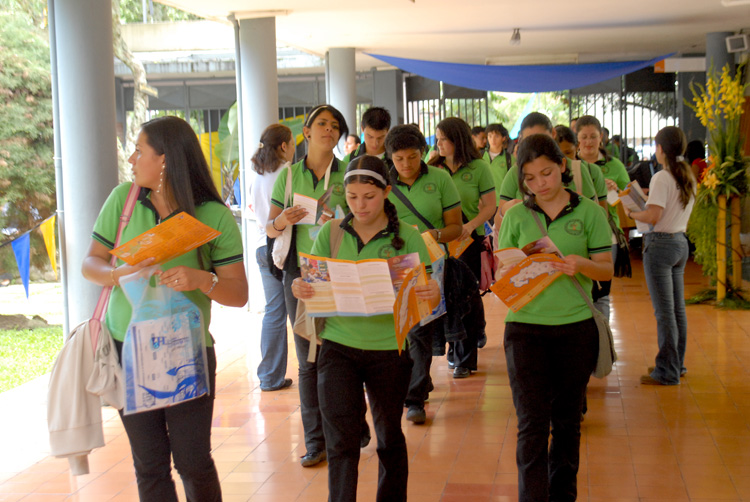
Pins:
x: 734, y: 3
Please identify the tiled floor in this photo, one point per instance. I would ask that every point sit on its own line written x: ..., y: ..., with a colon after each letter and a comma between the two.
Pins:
x: 640, y: 443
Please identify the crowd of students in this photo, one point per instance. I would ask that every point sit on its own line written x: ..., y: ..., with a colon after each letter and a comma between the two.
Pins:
x: 378, y: 201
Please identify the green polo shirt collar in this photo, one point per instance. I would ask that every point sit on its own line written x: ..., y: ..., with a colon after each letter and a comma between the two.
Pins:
x: 575, y: 199
x: 346, y: 224
x: 395, y: 179
x: 315, y: 180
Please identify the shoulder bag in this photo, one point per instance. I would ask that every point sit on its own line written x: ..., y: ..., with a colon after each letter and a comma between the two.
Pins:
x: 282, y: 243
x: 607, y: 355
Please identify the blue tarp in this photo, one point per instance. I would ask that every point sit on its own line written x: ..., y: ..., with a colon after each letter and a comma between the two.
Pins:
x: 522, y: 78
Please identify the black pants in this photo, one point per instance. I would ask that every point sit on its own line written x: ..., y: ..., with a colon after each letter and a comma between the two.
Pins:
x: 465, y: 351
x: 341, y: 372
x: 182, y: 432
x: 420, y: 350
x: 549, y: 368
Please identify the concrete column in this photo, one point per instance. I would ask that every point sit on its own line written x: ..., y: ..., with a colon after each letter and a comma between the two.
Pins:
x: 85, y: 71
x: 341, y: 89
x: 258, y: 108
x: 388, y: 87
x: 689, y: 123
x: 716, y: 52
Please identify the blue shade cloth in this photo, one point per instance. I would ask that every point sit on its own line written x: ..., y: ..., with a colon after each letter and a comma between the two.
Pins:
x: 22, y: 250
x: 522, y: 78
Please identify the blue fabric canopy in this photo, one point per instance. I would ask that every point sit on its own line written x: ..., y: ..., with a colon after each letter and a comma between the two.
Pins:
x: 521, y: 78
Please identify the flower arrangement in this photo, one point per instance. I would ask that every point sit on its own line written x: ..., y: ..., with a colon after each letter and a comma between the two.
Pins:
x: 719, y: 106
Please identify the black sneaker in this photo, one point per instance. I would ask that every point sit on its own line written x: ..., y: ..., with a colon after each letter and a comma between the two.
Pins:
x: 283, y: 385
x: 482, y: 341
x: 312, y: 458
x: 416, y: 415
x: 460, y: 372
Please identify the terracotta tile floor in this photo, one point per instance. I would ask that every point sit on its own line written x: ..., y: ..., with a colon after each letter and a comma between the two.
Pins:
x: 685, y: 443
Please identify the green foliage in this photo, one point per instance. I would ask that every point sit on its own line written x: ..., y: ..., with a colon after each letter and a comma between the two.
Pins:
x: 507, y: 107
x: 27, y: 177
x: 701, y: 230
x: 27, y: 354
x: 131, y: 11
x: 33, y: 11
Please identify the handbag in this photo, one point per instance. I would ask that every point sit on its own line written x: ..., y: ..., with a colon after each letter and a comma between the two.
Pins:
x: 282, y: 243
x: 304, y: 325
x: 607, y: 356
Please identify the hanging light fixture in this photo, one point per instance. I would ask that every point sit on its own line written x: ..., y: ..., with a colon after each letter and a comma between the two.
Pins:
x: 515, y: 38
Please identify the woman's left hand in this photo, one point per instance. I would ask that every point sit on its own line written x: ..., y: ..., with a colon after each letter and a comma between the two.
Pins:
x: 326, y: 215
x: 429, y: 292
x: 183, y: 278
x: 571, y: 264
x: 611, y: 185
x: 466, y: 231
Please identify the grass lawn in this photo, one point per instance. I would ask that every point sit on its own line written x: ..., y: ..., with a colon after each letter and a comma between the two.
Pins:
x: 27, y: 354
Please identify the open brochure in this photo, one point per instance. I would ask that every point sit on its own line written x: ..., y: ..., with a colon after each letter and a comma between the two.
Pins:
x: 408, y: 310
x: 525, y: 272
x: 167, y: 240
x: 314, y: 207
x: 354, y: 288
x: 634, y: 199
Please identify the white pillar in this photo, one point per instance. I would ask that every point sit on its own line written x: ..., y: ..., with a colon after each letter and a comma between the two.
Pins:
x: 258, y: 108
x: 341, y: 88
x: 85, y: 71
x: 716, y: 53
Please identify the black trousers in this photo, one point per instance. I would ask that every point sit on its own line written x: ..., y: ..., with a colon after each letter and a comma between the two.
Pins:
x: 342, y: 371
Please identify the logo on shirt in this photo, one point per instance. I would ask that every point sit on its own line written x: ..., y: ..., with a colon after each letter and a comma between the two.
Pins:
x: 387, y: 251
x: 430, y: 188
x: 574, y: 227
x: 467, y: 176
x: 337, y: 189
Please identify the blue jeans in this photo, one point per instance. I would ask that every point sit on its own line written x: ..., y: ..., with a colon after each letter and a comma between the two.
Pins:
x: 273, y: 344
x: 342, y: 371
x: 548, y: 369
x: 664, y: 258
x: 312, y: 422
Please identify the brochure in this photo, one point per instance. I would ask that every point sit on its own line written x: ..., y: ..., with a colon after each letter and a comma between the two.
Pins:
x: 167, y: 240
x: 433, y: 247
x: 633, y: 198
x: 314, y: 207
x: 525, y: 272
x: 354, y: 288
x: 408, y: 309
x: 458, y: 246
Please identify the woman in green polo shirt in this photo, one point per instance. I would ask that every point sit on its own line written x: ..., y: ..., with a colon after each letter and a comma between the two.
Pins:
x: 431, y: 193
x: 476, y: 187
x: 364, y: 350
x: 172, y: 174
x: 589, y: 131
x: 316, y: 174
x: 551, y: 343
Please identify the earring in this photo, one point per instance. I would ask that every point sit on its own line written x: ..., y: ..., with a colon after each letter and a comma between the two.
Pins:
x: 161, y: 178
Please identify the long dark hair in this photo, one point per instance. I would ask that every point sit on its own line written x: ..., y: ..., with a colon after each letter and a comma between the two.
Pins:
x: 267, y: 158
x: 457, y: 132
x: 530, y: 149
x: 673, y: 143
x: 374, y: 164
x: 187, y: 178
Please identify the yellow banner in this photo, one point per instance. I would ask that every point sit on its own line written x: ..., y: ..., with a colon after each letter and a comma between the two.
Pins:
x: 48, y: 233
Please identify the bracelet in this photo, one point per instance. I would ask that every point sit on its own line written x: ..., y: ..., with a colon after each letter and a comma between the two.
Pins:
x: 112, y: 274
x: 273, y: 224
x: 214, y: 282
x: 439, y: 234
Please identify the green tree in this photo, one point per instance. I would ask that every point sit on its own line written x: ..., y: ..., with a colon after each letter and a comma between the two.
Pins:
x: 27, y: 177
x: 131, y: 11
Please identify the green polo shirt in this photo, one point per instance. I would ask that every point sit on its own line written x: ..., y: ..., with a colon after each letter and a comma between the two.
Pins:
x: 592, y: 180
x: 361, y: 150
x: 432, y: 194
x: 613, y: 150
x: 499, y: 168
x: 375, y: 332
x: 224, y: 250
x: 581, y: 228
x: 305, y: 182
x: 472, y: 181
x: 614, y: 170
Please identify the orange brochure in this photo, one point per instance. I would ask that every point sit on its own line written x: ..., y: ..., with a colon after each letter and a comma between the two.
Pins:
x: 408, y: 309
x: 457, y: 247
x: 524, y: 277
x: 433, y: 247
x: 167, y: 240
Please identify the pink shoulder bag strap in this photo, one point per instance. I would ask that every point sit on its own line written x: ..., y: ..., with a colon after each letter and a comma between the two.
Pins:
x: 101, y: 305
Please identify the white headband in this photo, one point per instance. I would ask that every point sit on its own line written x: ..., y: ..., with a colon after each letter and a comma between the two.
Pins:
x: 365, y: 172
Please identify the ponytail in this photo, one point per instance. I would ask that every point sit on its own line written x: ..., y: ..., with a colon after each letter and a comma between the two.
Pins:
x: 393, y: 224
x: 673, y: 143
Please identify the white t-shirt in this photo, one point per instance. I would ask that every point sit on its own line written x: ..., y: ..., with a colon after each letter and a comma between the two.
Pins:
x: 663, y: 192
x: 261, y: 186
